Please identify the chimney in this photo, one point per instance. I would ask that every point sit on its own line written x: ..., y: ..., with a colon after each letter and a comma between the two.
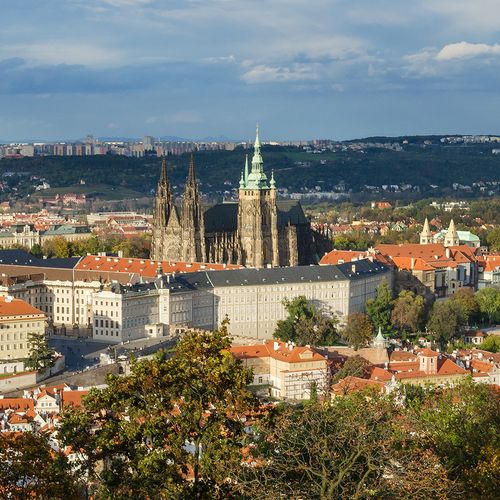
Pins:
x: 412, y: 262
x: 276, y: 346
x: 448, y: 252
x: 353, y: 267
x: 120, y: 254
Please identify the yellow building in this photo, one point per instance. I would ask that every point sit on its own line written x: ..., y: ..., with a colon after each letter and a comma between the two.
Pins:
x: 17, y: 320
x: 289, y: 371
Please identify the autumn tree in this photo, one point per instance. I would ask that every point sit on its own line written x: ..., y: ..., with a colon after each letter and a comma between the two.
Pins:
x: 56, y: 247
x: 462, y: 426
x: 355, y: 366
x: 352, y: 447
x: 491, y: 343
x: 445, y: 321
x: 40, y: 355
x: 30, y: 468
x: 408, y: 311
x: 358, y: 330
x: 171, y: 419
x: 305, y: 324
x: 379, y: 309
x: 37, y: 251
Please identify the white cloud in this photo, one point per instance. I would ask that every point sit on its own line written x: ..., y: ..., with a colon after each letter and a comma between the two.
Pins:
x: 465, y: 50
x: 267, y: 74
x: 63, y: 52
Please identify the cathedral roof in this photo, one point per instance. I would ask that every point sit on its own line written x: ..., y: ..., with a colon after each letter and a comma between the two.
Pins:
x: 224, y: 216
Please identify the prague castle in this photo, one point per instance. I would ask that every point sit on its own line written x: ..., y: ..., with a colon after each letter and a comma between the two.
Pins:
x: 257, y: 231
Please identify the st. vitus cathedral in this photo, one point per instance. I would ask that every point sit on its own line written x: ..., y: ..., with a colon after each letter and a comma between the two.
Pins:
x: 258, y: 231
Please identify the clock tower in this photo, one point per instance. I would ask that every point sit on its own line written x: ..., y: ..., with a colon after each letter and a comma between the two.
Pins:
x: 257, y: 214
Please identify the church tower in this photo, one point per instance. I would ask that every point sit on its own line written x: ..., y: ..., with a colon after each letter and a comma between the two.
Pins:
x: 257, y: 214
x: 451, y: 238
x: 426, y: 234
x: 166, y: 240
x: 192, y: 221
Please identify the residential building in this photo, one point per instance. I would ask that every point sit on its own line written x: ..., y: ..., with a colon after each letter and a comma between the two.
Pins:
x: 17, y: 320
x: 288, y: 371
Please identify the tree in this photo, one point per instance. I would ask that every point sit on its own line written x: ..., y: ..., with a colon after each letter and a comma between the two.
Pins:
x: 493, y: 240
x: 444, y: 321
x: 358, y: 330
x: 305, y: 325
x: 462, y: 426
x: 30, y: 468
x: 491, y: 343
x: 408, y: 311
x: 379, y: 309
x: 168, y: 419
x: 37, y: 251
x: 353, y: 447
x: 41, y: 355
x: 56, y: 247
x: 489, y: 303
x: 465, y: 299
x: 355, y: 366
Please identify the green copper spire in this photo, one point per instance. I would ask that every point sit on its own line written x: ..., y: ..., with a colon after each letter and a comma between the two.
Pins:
x: 242, y: 181
x: 246, y: 169
x: 257, y: 179
x: 272, y: 183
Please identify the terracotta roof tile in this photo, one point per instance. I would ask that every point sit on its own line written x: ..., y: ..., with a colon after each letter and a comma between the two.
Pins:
x: 16, y: 307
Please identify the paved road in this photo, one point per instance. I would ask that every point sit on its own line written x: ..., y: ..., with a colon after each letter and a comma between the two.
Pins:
x: 82, y: 353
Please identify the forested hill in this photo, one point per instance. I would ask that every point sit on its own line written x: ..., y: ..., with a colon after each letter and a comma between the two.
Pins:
x: 296, y: 170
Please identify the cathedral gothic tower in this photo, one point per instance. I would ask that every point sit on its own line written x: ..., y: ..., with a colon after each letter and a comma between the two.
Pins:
x: 257, y: 215
x: 257, y: 231
x: 178, y: 238
x: 192, y: 223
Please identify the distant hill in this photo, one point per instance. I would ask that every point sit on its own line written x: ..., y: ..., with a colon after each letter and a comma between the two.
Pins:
x: 219, y: 171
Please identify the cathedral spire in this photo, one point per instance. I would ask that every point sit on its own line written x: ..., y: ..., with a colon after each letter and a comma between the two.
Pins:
x: 246, y: 169
x: 192, y: 173
x: 163, y: 174
x: 257, y: 179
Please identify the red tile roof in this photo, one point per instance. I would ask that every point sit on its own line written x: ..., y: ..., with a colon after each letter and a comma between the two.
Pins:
x: 354, y: 384
x: 144, y: 267
x: 16, y: 307
x: 73, y: 398
x: 16, y: 404
x: 297, y: 354
x: 340, y: 256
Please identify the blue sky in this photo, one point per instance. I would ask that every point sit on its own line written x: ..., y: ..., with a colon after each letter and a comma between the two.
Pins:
x: 197, y: 68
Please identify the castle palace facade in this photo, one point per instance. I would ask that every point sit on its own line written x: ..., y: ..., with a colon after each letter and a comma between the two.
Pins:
x: 257, y: 231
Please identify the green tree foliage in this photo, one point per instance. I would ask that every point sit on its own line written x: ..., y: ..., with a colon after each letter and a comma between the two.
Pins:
x: 358, y: 330
x: 29, y: 468
x: 489, y: 303
x: 379, y: 309
x: 462, y: 426
x: 37, y: 251
x: 41, y: 355
x: 354, y: 366
x: 408, y: 312
x: 467, y: 303
x: 183, y: 416
x: 493, y: 240
x: 491, y: 343
x: 305, y: 324
x: 353, y: 447
x: 445, y: 321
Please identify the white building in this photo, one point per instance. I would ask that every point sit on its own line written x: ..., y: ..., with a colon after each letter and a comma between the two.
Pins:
x: 251, y: 298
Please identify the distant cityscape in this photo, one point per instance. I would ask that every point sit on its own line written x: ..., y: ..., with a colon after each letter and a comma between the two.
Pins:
x: 151, y: 146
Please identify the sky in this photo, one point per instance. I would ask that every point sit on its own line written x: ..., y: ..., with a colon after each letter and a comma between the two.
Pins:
x: 335, y: 69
